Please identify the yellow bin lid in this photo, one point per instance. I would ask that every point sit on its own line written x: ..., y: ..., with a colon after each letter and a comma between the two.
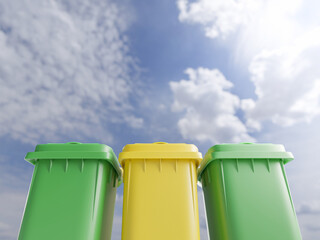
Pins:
x: 160, y: 150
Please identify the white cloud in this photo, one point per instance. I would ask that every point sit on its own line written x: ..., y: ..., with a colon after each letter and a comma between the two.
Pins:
x: 209, y: 107
x: 221, y: 18
x: 64, y: 69
x: 287, y: 83
x: 280, y: 42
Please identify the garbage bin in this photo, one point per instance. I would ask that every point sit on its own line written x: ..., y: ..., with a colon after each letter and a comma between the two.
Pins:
x: 160, y: 192
x: 246, y: 193
x: 72, y: 192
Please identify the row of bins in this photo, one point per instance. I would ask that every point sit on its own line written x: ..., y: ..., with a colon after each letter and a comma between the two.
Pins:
x: 73, y: 190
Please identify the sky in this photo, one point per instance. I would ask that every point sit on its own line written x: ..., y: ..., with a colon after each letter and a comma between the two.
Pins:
x: 120, y: 72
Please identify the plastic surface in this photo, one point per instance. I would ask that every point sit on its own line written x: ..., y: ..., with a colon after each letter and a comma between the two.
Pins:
x: 160, y: 150
x: 245, y: 151
x: 246, y: 193
x: 75, y: 150
x: 160, y: 192
x: 71, y: 197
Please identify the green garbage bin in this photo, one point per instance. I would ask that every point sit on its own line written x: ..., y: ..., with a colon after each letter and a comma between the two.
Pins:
x: 72, y: 192
x: 246, y: 193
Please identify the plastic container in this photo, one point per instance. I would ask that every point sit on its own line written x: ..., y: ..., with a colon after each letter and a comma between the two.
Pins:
x: 246, y: 193
x: 160, y: 192
x: 72, y: 192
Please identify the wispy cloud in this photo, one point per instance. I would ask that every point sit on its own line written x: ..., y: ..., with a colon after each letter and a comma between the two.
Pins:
x: 65, y: 68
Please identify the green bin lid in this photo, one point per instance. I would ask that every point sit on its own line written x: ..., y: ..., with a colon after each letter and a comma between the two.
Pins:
x: 244, y: 151
x: 75, y: 150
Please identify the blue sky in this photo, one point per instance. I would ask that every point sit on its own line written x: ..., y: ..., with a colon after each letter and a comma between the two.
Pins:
x: 119, y: 72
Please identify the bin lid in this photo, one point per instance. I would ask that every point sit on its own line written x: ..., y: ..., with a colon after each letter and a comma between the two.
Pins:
x: 244, y: 151
x: 75, y: 150
x: 160, y: 150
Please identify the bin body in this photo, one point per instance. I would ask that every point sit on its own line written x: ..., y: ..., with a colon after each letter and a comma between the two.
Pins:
x: 246, y: 193
x: 160, y: 192
x: 72, y: 195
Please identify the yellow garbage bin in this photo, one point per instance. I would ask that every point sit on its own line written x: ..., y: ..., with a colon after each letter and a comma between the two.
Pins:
x: 160, y: 191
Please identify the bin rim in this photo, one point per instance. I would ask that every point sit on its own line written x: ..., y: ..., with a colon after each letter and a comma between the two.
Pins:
x: 229, y: 151
x: 160, y: 150
x: 75, y: 150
